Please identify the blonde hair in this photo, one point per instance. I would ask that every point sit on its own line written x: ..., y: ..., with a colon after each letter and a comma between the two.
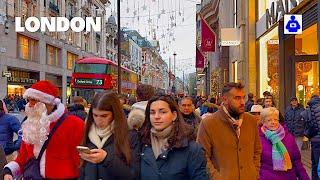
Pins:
x: 267, y: 112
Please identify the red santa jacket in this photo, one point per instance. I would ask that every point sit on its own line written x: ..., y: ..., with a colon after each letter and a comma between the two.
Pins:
x: 61, y: 159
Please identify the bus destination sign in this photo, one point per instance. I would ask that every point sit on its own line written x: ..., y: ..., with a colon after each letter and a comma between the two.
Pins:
x: 89, y: 82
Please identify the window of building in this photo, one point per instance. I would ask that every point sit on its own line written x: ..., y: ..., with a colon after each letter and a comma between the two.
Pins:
x: 10, y: 7
x: 307, y: 42
x: 70, y: 12
x: 27, y: 48
x: 87, y: 42
x: 307, y: 80
x: 29, y: 8
x: 98, y: 43
x: 235, y: 17
x: 53, y: 56
x: 71, y: 58
x: 269, y: 63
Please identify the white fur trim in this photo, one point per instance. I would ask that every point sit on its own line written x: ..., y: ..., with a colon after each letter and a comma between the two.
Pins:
x: 55, y: 115
x: 57, y: 101
x: 14, y: 168
x: 43, y: 164
x: 41, y: 96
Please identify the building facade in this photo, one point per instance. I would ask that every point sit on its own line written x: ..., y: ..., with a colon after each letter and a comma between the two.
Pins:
x: 29, y: 57
x: 265, y: 59
x: 145, y: 59
x: 289, y: 64
x: 111, y: 39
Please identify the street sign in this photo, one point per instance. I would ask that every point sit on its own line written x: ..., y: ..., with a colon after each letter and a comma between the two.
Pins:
x: 293, y: 24
x: 6, y: 74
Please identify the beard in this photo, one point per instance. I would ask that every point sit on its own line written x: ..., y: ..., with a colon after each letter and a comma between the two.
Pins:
x: 234, y: 111
x: 36, y: 128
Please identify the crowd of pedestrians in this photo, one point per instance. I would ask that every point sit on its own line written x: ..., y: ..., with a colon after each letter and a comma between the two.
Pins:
x: 157, y: 136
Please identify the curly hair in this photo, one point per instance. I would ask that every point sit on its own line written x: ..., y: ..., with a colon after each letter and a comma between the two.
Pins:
x: 180, y: 129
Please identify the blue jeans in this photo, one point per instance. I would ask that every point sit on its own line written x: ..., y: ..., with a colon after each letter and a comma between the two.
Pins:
x: 315, y: 154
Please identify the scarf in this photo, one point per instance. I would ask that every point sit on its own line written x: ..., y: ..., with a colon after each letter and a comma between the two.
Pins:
x: 99, y: 136
x: 159, y: 140
x: 235, y: 123
x: 280, y: 155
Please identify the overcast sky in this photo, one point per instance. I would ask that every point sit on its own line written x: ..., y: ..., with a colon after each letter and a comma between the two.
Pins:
x: 173, y: 21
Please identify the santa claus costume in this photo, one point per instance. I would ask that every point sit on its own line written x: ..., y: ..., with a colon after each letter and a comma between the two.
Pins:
x: 60, y: 159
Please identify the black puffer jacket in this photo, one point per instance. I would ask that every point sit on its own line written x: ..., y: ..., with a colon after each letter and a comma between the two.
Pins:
x: 312, y: 117
x: 294, y: 121
x: 78, y: 110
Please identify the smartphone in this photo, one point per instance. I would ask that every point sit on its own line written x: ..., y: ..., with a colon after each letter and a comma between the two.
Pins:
x: 84, y: 149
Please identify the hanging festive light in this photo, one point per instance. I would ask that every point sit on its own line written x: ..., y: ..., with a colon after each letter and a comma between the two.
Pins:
x: 128, y: 9
x: 144, y: 7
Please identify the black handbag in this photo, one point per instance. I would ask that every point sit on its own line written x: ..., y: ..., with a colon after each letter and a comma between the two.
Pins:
x: 32, y: 167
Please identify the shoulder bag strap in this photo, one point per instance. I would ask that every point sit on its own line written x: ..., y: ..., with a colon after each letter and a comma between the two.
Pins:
x: 45, y: 145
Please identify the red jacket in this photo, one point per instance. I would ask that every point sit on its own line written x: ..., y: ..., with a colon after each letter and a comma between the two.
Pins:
x: 61, y: 159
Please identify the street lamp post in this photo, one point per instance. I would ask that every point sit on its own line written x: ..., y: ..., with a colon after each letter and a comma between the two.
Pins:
x: 174, y: 71
x: 119, y: 48
x: 169, y: 72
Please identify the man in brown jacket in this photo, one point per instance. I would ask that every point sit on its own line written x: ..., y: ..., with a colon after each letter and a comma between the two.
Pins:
x: 230, y: 138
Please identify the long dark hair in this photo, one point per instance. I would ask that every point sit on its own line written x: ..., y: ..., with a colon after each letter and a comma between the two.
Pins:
x: 180, y: 130
x: 108, y: 101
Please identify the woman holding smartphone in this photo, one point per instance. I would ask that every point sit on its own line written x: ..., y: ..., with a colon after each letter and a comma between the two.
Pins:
x: 114, y: 152
x: 169, y: 150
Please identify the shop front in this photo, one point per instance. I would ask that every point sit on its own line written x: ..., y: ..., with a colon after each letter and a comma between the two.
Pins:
x: 300, y: 65
x: 20, y: 80
x: 288, y: 64
x: 269, y: 63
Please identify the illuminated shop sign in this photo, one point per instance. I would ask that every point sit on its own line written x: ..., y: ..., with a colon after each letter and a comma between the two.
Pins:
x: 89, y: 82
x: 278, y: 9
x: 21, y: 77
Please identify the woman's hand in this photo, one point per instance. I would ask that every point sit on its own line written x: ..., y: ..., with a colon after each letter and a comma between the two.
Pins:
x: 7, y: 177
x: 96, y: 156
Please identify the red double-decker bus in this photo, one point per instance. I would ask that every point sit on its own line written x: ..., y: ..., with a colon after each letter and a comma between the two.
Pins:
x: 94, y: 74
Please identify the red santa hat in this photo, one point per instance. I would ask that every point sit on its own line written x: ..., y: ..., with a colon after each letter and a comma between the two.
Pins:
x: 44, y: 91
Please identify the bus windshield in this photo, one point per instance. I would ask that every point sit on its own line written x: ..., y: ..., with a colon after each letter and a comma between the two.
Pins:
x: 91, y: 68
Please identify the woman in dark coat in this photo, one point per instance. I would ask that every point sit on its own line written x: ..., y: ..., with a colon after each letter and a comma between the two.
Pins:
x: 114, y: 153
x: 169, y: 151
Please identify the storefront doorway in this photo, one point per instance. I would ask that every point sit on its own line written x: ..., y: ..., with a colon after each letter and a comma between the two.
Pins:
x: 306, y: 78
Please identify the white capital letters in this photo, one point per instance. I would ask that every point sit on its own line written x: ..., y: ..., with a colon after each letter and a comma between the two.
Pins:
x: 73, y: 25
x: 36, y: 24
x: 58, y: 24
x: 96, y: 26
x: 62, y: 24
x: 51, y: 25
x: 18, y: 24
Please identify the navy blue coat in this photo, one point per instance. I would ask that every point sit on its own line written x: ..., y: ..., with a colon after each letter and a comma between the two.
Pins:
x: 187, y: 162
x: 113, y: 167
x: 8, y: 126
x: 294, y: 121
x: 78, y: 110
x: 312, y: 118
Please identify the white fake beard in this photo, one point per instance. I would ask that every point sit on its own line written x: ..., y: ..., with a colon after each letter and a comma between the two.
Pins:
x: 36, y: 128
